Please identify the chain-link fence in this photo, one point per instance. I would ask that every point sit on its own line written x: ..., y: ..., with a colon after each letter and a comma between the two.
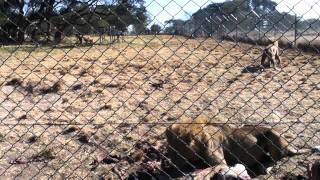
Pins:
x: 119, y: 89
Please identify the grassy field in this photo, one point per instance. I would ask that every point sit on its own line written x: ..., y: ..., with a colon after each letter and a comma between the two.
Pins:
x: 62, y: 107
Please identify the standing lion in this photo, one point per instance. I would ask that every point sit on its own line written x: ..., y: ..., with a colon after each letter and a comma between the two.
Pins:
x: 270, y: 56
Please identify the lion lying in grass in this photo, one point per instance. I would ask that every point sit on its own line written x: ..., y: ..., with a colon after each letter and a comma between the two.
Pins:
x: 197, y: 143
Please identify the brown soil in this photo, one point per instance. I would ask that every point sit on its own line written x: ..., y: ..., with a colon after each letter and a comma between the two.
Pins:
x: 61, y: 108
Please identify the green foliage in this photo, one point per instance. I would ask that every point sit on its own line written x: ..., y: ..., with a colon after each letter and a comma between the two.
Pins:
x: 237, y: 15
x: 155, y: 29
x: 45, y: 17
x: 139, y: 28
x: 121, y: 14
x: 175, y: 26
x: 264, y: 5
x: 3, y: 18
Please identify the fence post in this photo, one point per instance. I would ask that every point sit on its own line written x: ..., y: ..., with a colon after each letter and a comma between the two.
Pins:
x: 237, y: 32
x: 259, y: 27
x: 295, y: 30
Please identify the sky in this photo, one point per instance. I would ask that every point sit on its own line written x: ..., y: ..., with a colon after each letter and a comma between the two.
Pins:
x: 162, y: 10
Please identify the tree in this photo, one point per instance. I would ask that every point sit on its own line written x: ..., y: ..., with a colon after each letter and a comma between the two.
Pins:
x: 12, y: 20
x: 175, y: 27
x: 51, y: 18
x: 264, y: 5
x: 155, y: 29
x: 139, y: 28
x: 140, y: 20
x: 120, y: 13
x: 264, y: 8
x: 42, y: 11
x: 230, y: 16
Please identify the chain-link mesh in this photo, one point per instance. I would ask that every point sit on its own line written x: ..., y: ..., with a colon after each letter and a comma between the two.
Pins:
x: 159, y: 89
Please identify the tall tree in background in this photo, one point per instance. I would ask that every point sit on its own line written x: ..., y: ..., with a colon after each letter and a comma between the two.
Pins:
x: 264, y: 9
x: 83, y: 16
x: 12, y: 20
x: 43, y: 11
x: 233, y: 16
x: 264, y: 6
x: 155, y: 29
x: 175, y: 26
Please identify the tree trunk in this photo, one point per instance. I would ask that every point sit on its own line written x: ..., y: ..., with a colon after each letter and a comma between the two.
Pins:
x: 48, y: 31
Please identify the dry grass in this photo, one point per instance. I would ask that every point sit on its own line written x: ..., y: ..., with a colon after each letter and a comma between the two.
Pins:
x: 68, y: 105
x: 305, y: 43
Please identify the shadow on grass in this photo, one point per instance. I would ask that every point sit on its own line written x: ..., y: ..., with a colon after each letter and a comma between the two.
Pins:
x: 252, y: 69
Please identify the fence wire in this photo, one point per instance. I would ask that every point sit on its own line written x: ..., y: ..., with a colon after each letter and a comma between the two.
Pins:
x: 175, y: 89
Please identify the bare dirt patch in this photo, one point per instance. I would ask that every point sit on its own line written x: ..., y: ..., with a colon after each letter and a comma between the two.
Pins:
x: 78, y: 103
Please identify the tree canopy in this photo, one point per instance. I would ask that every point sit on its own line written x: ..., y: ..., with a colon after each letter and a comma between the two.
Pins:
x: 237, y: 15
x: 44, y: 17
x: 155, y: 28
